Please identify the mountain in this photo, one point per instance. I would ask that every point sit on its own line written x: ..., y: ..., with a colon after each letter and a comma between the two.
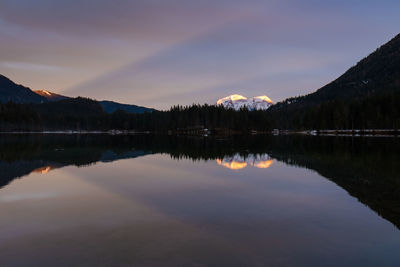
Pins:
x: 110, y: 107
x: 50, y: 96
x: 377, y: 73
x: 233, y: 101
x: 12, y: 92
x: 367, y: 96
x: 261, y: 102
x: 237, y: 102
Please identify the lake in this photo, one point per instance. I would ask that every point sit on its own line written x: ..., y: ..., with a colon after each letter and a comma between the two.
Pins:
x: 144, y: 200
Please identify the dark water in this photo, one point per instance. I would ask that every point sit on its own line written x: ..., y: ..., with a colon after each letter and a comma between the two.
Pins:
x: 168, y: 201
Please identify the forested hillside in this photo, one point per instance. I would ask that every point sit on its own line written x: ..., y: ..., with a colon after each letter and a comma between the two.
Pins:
x: 11, y: 92
x: 366, y: 96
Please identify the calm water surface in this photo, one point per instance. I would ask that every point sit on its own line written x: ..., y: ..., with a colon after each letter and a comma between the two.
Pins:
x: 168, y: 201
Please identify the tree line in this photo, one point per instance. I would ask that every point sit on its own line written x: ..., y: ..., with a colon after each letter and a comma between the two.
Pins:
x: 373, y: 112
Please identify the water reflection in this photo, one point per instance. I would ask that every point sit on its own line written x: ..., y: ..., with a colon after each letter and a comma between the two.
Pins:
x: 164, y: 200
x: 237, y: 161
x: 43, y: 170
x: 367, y: 168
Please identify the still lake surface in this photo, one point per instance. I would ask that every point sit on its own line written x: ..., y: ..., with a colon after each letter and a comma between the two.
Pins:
x: 99, y: 200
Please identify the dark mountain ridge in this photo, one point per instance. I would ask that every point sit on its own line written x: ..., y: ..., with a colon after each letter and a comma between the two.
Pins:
x: 12, y: 92
x: 108, y: 106
x: 367, y: 96
x: 377, y: 73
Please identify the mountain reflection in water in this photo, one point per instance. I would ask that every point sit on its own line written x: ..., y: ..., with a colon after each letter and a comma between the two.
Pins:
x: 43, y: 170
x: 143, y: 200
x: 366, y: 167
x: 237, y: 162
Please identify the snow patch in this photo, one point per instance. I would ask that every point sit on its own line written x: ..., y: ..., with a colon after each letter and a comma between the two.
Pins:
x: 238, y: 101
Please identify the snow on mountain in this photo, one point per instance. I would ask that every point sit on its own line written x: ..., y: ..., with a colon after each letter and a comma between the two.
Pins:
x: 50, y: 96
x: 261, y: 102
x: 238, y: 101
x: 233, y: 101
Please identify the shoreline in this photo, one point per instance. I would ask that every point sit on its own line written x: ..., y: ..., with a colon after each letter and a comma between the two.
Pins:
x: 342, y: 133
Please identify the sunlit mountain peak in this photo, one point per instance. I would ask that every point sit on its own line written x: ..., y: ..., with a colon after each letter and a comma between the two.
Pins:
x: 234, y: 97
x: 264, y: 98
x: 45, y: 92
x: 238, y: 101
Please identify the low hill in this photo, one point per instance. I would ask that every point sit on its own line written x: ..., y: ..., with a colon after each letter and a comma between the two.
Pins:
x: 110, y: 107
x: 79, y: 106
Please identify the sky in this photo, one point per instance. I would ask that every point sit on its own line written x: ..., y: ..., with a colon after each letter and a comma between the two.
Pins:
x: 159, y: 53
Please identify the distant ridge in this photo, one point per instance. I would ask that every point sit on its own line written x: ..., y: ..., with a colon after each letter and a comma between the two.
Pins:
x: 111, y: 106
x: 108, y: 106
x: 12, y: 92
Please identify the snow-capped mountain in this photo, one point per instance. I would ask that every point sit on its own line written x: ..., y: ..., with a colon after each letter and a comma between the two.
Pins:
x: 233, y: 101
x: 238, y: 101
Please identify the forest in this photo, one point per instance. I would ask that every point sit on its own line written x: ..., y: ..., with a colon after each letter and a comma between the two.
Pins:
x: 378, y: 111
